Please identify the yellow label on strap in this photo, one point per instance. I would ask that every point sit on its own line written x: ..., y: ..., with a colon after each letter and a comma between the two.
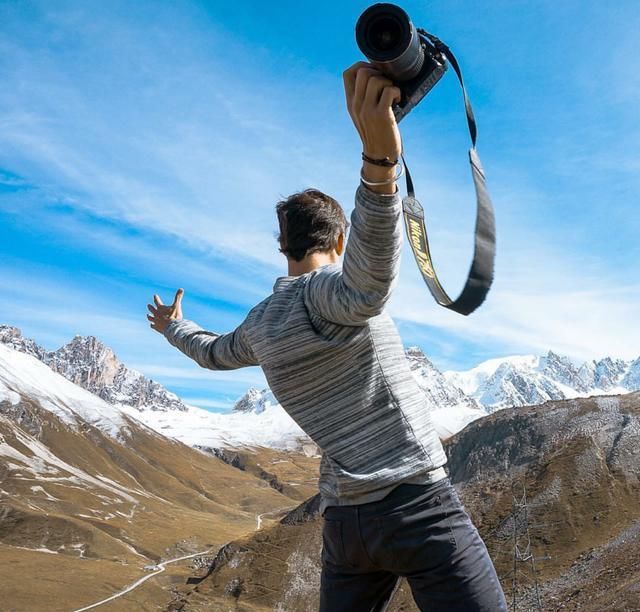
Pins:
x: 419, y: 247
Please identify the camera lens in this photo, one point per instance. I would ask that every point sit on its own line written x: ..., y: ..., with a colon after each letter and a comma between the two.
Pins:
x: 389, y: 41
x: 384, y: 33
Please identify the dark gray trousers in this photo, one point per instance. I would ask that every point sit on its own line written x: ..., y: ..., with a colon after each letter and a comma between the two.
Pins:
x: 420, y: 532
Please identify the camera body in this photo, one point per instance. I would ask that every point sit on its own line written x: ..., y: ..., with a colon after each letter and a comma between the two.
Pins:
x: 389, y: 40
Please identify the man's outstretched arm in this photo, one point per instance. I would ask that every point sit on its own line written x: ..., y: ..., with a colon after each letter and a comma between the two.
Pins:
x: 208, y: 349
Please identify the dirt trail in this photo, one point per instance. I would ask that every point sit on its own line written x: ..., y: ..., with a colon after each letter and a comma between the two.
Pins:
x: 137, y: 583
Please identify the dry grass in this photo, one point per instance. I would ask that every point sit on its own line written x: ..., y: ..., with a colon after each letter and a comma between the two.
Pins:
x: 160, y: 499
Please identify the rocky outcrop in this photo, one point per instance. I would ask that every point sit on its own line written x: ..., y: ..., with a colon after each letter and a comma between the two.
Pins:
x: 440, y: 393
x: 508, y: 440
x: 13, y: 338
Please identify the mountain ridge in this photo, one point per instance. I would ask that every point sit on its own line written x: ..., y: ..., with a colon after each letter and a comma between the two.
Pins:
x: 453, y: 399
x: 576, y: 461
x: 89, y: 363
x: 76, y: 468
x: 526, y: 380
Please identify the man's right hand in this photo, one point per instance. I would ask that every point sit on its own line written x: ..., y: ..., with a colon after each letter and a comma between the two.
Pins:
x: 370, y: 96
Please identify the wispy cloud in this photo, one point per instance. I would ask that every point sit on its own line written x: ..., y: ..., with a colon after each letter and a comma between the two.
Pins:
x: 208, y: 403
x: 177, y: 161
x: 248, y: 376
x: 547, y: 302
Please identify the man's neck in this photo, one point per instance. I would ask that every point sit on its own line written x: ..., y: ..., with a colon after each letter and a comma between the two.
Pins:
x: 311, y: 262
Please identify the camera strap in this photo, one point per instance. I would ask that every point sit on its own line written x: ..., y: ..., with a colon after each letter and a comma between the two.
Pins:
x: 480, y: 274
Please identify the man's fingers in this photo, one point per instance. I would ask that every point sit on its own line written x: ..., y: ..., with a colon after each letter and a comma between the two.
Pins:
x: 150, y: 308
x: 177, y: 301
x: 375, y: 86
x: 349, y: 78
x: 389, y: 96
x: 150, y: 317
x: 362, y: 78
x: 157, y: 300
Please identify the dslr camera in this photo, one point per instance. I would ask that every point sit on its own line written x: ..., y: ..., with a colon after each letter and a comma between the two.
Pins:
x: 415, y: 61
x: 406, y: 55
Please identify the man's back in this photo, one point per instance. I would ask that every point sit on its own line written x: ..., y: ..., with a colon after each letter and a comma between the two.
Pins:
x: 335, y: 361
x: 348, y: 387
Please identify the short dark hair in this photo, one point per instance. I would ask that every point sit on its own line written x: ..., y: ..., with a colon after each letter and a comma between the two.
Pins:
x: 310, y: 222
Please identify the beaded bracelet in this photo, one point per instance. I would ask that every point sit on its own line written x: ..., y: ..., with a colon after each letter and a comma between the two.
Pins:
x: 385, y: 182
x: 386, y: 162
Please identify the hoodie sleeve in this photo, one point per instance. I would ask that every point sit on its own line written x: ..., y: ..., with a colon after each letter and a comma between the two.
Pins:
x: 211, y: 350
x: 371, y: 263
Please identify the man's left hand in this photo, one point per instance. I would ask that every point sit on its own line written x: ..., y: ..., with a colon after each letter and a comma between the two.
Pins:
x: 162, y: 315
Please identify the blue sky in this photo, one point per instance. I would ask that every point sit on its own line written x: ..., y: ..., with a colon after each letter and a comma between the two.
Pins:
x: 143, y: 147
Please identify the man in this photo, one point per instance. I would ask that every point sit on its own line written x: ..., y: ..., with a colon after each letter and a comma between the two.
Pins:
x: 335, y: 361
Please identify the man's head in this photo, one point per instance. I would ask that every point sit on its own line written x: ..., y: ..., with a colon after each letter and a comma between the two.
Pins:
x: 310, y: 222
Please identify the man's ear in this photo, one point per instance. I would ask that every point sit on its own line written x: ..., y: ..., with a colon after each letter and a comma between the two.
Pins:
x: 340, y: 245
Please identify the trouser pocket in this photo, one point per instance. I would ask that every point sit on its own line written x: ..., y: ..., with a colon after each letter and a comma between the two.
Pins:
x: 333, y: 543
x: 419, y: 537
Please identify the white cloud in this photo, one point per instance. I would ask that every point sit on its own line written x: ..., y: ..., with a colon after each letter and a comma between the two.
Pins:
x: 176, y: 374
x: 535, y: 305
x: 53, y: 310
x: 208, y: 403
x: 194, y: 156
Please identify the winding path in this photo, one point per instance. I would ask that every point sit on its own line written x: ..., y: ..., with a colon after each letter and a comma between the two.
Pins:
x: 137, y: 583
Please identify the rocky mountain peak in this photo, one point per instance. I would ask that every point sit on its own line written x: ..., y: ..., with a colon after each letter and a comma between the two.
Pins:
x: 255, y: 401
x: 560, y: 368
x: 528, y: 380
x: 85, y: 347
x: 92, y: 365
x: 415, y: 352
x: 439, y: 391
x: 608, y: 372
x: 251, y: 401
x: 12, y: 337
x: 631, y: 379
x: 87, y: 362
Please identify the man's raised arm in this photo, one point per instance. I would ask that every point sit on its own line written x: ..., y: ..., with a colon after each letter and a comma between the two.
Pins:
x: 208, y: 349
x: 372, y: 256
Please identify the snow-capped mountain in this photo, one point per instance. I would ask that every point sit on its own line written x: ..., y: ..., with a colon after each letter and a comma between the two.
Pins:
x: 255, y: 401
x: 264, y: 425
x: 528, y: 380
x: 631, y: 378
x: 257, y: 419
x: 23, y: 376
x: 439, y: 391
x: 106, y: 390
x: 453, y: 399
x: 93, y: 366
x: 13, y: 338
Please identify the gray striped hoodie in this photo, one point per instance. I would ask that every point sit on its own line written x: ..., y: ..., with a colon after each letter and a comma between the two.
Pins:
x: 334, y: 359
